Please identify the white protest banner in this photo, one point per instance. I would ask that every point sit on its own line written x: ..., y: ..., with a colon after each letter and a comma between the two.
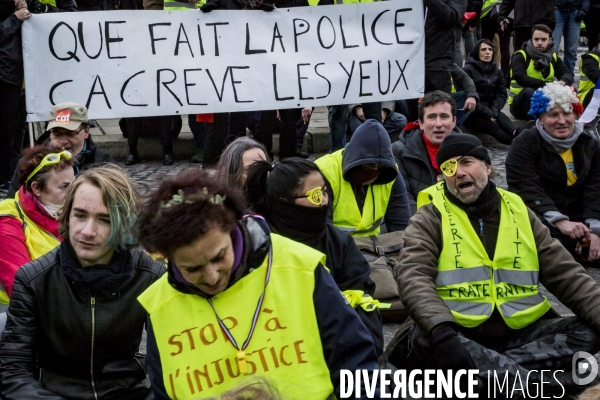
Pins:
x: 145, y: 63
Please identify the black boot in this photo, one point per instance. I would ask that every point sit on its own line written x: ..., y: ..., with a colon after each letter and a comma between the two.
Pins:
x: 168, y: 155
x: 132, y: 158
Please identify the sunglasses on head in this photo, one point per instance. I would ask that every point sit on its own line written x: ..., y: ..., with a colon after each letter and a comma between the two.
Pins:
x: 49, y: 159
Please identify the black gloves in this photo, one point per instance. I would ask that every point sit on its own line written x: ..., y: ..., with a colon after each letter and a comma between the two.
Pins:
x: 208, y: 7
x: 36, y: 7
x: 449, y: 352
x: 580, y: 16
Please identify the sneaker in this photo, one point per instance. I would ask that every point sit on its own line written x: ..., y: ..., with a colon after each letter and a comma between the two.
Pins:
x: 197, y: 158
x: 301, y: 154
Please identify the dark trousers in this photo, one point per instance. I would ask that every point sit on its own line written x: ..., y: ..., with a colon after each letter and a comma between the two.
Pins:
x: 502, y: 130
x: 489, y: 28
x: 287, y: 128
x: 522, y: 104
x: 523, y: 34
x: 165, y: 128
x: 225, y: 129
x: 198, y: 131
x: 437, y: 80
x: 547, y: 344
x: 592, y: 27
x: 10, y: 114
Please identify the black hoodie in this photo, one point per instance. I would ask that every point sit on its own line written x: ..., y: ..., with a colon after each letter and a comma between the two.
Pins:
x: 371, y: 144
x: 490, y: 83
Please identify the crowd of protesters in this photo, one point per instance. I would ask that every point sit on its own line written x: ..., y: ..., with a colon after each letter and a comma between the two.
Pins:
x: 250, y: 268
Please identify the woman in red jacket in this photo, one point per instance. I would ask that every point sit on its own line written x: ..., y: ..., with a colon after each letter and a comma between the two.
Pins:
x: 28, y: 223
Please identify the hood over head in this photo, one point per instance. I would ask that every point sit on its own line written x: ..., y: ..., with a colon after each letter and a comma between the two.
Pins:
x: 370, y: 144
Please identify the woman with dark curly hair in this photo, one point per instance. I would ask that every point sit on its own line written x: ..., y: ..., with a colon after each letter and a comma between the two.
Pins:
x: 239, y: 300
x: 29, y: 222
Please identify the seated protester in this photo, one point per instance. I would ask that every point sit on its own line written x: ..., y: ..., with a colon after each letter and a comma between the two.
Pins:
x: 467, y: 237
x: 28, y: 223
x: 292, y: 196
x: 238, y: 156
x: 393, y: 121
x: 589, y: 67
x: 74, y: 325
x: 69, y: 130
x: 364, y: 189
x: 491, y: 86
x: 418, y: 145
x: 229, y: 276
x: 555, y: 168
x: 531, y: 68
x: 464, y: 93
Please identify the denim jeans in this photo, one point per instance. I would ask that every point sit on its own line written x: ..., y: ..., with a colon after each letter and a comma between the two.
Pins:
x: 566, y: 25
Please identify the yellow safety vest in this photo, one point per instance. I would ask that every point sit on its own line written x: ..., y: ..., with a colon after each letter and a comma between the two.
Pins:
x: 487, y: 7
x: 199, y: 361
x: 182, y: 5
x: 469, y: 282
x: 346, y: 215
x: 585, y: 85
x: 515, y: 88
x: 37, y: 240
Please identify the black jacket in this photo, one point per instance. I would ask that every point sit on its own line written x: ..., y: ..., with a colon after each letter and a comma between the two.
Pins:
x: 528, y: 12
x: 537, y: 173
x: 86, y: 159
x: 413, y: 163
x: 54, y: 333
x: 518, y: 70
x: 442, y: 17
x: 490, y: 83
x: 11, y: 54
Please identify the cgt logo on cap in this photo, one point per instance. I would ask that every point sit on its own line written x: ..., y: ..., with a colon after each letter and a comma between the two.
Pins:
x: 63, y: 117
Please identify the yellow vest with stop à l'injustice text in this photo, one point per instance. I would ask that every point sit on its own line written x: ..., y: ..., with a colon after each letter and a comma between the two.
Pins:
x: 469, y: 282
x: 197, y: 358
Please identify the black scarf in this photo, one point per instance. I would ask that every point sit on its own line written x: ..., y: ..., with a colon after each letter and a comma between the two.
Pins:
x: 541, y: 59
x: 104, y: 279
x: 303, y: 224
x: 488, y: 201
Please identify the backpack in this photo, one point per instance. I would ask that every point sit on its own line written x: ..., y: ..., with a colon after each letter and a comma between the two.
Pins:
x: 382, y: 253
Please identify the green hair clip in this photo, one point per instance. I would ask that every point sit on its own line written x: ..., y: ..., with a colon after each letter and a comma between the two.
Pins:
x: 181, y: 198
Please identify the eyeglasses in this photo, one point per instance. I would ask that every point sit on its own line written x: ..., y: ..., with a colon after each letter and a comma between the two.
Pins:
x: 50, y: 159
x: 66, y: 133
x: 315, y: 195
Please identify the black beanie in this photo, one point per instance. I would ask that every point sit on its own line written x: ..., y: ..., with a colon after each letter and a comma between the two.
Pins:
x: 461, y: 144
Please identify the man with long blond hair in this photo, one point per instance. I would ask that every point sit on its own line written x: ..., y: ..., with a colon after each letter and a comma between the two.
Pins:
x: 74, y: 324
